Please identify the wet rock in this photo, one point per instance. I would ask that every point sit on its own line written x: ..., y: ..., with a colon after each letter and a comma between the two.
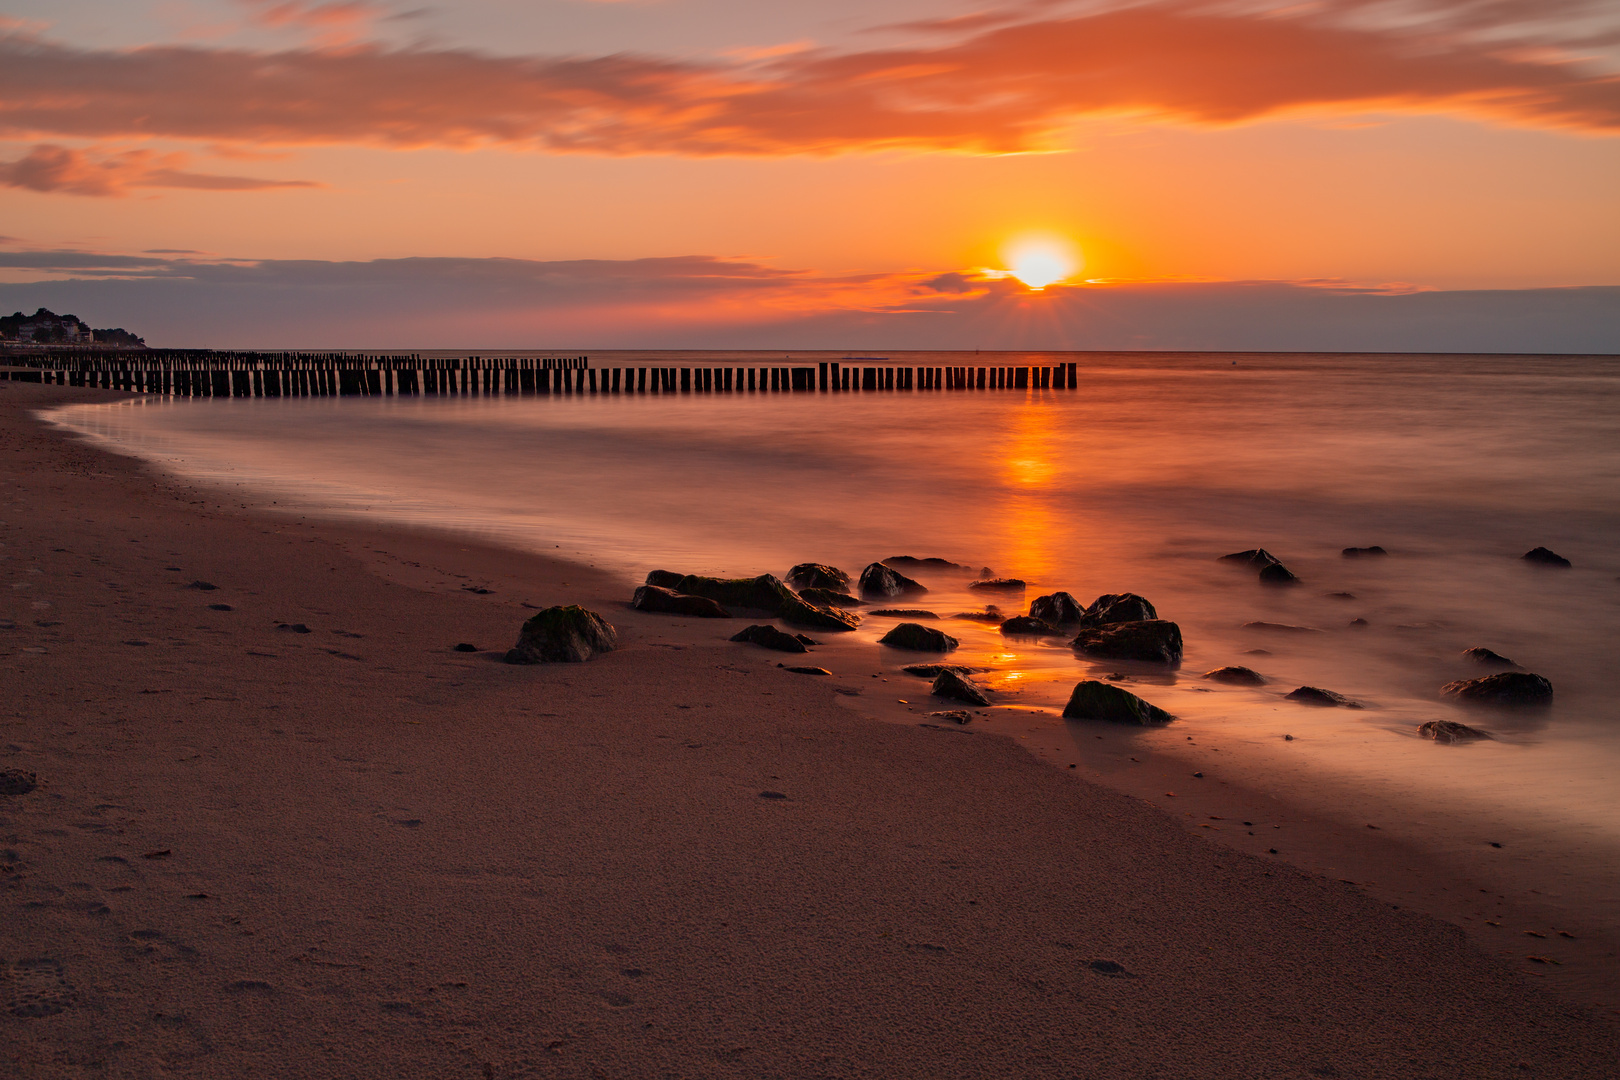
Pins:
x: 903, y: 613
x: 1280, y: 628
x: 766, y: 594
x: 208, y: 586
x: 918, y: 638
x: 878, y: 580
x: 1277, y: 574
x: 664, y: 601
x: 1028, y: 626
x: 1481, y: 655
x: 914, y: 564
x: 951, y: 684
x: 17, y: 782
x: 1254, y: 557
x: 1545, y: 558
x: 809, y: 575
x: 1154, y: 640
x: 1363, y: 552
x: 955, y: 716
x: 808, y: 670
x: 465, y: 646
x: 1093, y: 700
x: 930, y: 671
x: 770, y: 637
x: 998, y: 584
x: 664, y: 579
x: 1449, y: 731
x: 1059, y: 609
x: 1236, y: 676
x: 988, y: 615
x: 563, y: 635
x: 1315, y: 695
x: 829, y: 598
x: 1118, y: 608
x: 1511, y: 688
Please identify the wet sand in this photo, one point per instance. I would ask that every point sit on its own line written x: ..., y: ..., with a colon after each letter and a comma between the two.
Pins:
x: 353, y: 851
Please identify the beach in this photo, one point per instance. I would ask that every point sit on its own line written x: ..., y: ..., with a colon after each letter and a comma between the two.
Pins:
x: 305, y: 837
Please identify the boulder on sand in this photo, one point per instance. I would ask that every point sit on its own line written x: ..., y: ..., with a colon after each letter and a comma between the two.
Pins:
x: 1059, y: 609
x: 1117, y: 608
x: 1093, y: 700
x: 768, y: 595
x: 669, y: 602
x: 1315, y: 695
x: 1481, y: 655
x: 771, y: 638
x: 1236, y: 676
x: 878, y: 580
x: 1449, y: 731
x: 958, y: 687
x: 809, y: 575
x: 664, y: 579
x: 918, y: 638
x: 1028, y: 626
x: 563, y: 635
x: 1154, y: 640
x: 1511, y: 688
x: 1545, y: 558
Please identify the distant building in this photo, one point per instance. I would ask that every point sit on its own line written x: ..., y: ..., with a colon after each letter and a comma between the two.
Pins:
x: 45, y: 327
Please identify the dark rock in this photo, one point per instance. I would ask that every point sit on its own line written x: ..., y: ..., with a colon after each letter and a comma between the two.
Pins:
x: 1117, y: 608
x: 771, y: 638
x: 1505, y: 688
x: 998, y: 584
x: 1254, y: 557
x: 829, y: 598
x: 808, y: 670
x: 1449, y: 731
x: 1093, y: 700
x: 809, y: 575
x: 768, y: 595
x: 466, y: 646
x: 1480, y: 655
x: 1059, y: 609
x: 1028, y: 626
x: 805, y: 640
x: 1545, y: 558
x: 1277, y: 574
x: 918, y: 638
x: 1361, y: 553
x: 1359, y: 622
x: 955, y: 716
x: 1341, y: 596
x: 17, y: 782
x: 914, y: 564
x: 960, y: 687
x: 220, y: 607
x: 563, y: 635
x: 665, y: 601
x: 879, y: 580
x: 772, y: 795
x: 989, y: 614
x: 1315, y: 695
x: 930, y: 671
x: 903, y: 613
x: 1154, y: 640
x: 1237, y: 676
x: 295, y: 628
x: 664, y: 579
x: 208, y: 586
x: 1280, y: 628
x: 1108, y: 967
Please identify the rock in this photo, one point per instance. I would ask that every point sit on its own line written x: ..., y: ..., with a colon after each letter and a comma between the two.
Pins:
x: 664, y: 579
x: 990, y: 614
x: 1117, y: 608
x: 829, y: 598
x: 1520, y: 688
x: 664, y: 601
x: 1545, y: 558
x: 1277, y: 574
x: 563, y: 635
x: 771, y: 638
x: 918, y: 638
x: 1154, y: 640
x: 955, y: 716
x: 998, y: 584
x: 1449, y: 731
x: 1280, y: 628
x: 903, y: 613
x: 17, y: 782
x: 1059, y: 609
x: 879, y: 580
x: 1028, y: 626
x: 208, y: 586
x: 951, y: 684
x: 1481, y: 655
x: 768, y: 595
x: 808, y: 670
x: 914, y: 564
x: 930, y: 671
x: 1237, y: 676
x: 466, y: 646
x: 1315, y: 695
x: 809, y: 575
x: 1254, y: 557
x: 1362, y: 553
x: 1093, y: 700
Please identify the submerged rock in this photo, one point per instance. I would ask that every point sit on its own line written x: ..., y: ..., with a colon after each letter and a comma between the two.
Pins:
x: 1449, y: 731
x: 766, y: 594
x: 878, y: 580
x: 664, y: 601
x: 1545, y: 558
x: 1029, y: 626
x: 664, y: 579
x: 1093, y: 700
x: 1059, y: 609
x: 1236, y: 675
x: 918, y: 638
x: 1277, y: 574
x: 1521, y: 688
x: 563, y: 635
x: 1154, y: 640
x: 770, y: 637
x: 989, y: 614
x: 829, y: 598
x: 955, y: 716
x: 951, y: 684
x: 1281, y: 628
x: 903, y: 613
x: 1315, y: 695
x: 929, y: 671
x: 914, y: 564
x: 1363, y: 552
x: 809, y: 575
x: 1254, y: 557
x: 1481, y: 655
x: 1118, y: 608
x: 998, y: 584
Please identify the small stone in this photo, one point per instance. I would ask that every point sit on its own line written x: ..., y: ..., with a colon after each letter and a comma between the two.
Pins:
x: 1236, y: 675
x: 950, y: 684
x: 1481, y: 655
x: 1449, y: 731
x: 561, y: 634
x: 955, y: 716
x: 466, y: 646
x: 770, y: 637
x: 1545, y: 558
x: 772, y: 795
x: 918, y: 638
x: 220, y: 607
x: 208, y: 586
x: 17, y: 782
x: 1363, y: 552
x: 999, y: 584
x: 808, y: 670
x: 1108, y: 967
x: 1315, y: 695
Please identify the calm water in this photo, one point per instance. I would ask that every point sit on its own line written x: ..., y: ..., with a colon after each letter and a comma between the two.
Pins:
x: 1137, y: 481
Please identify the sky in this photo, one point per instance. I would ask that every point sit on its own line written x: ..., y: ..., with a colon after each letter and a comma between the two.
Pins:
x: 1435, y: 175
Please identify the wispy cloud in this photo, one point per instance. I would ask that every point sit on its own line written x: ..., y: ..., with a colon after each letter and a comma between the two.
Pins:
x: 49, y: 168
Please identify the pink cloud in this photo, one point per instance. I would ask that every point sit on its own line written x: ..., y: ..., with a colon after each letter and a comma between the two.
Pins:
x: 48, y: 168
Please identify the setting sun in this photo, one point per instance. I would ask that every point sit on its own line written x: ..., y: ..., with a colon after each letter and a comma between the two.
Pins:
x: 1040, y: 261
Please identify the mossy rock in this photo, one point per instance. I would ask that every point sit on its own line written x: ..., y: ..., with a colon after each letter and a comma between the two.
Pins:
x: 809, y: 575
x: 669, y: 602
x: 918, y: 638
x: 1093, y: 700
x: 1118, y: 608
x: 563, y: 635
x: 1059, y: 609
x: 1028, y: 626
x: 1154, y: 640
x: 879, y: 581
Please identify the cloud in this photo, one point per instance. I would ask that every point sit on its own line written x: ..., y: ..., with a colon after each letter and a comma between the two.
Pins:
x: 994, y: 88
x: 707, y: 302
x: 49, y: 168
x: 331, y: 23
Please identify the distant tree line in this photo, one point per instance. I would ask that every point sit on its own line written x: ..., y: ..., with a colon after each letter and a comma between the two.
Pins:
x: 45, y: 327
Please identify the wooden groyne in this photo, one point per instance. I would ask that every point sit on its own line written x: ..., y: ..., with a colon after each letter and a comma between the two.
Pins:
x: 218, y: 374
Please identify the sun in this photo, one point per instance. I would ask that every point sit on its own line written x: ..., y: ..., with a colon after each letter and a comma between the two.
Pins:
x: 1039, y: 261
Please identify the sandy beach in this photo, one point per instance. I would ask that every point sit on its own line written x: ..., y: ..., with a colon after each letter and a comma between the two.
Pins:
x: 282, y: 828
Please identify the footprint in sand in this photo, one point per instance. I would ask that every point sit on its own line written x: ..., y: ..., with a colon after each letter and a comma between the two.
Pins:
x: 36, y: 988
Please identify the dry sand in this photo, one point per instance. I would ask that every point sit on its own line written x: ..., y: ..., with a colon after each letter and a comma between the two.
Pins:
x: 354, y: 852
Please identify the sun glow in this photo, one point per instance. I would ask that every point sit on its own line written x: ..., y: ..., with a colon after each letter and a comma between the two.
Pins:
x: 1039, y: 261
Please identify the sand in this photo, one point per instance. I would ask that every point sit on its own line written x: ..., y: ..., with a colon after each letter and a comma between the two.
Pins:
x: 355, y: 852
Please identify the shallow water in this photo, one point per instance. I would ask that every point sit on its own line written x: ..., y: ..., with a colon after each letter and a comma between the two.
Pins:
x: 1137, y: 482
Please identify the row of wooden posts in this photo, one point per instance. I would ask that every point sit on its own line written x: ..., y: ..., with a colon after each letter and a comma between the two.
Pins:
x: 313, y: 375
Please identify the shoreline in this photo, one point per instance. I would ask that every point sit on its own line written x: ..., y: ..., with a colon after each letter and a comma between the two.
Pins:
x: 314, y: 831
